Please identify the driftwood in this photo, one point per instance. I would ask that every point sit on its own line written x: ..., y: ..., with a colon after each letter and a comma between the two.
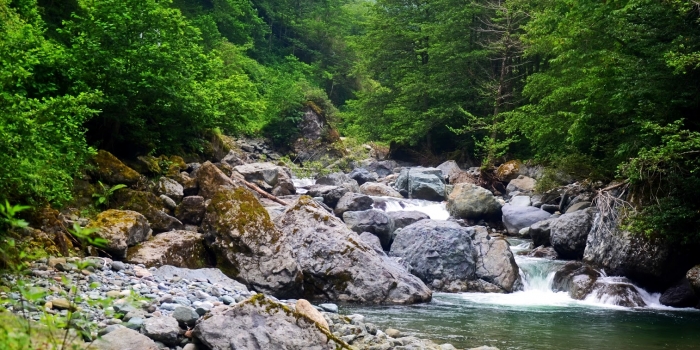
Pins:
x: 259, y: 190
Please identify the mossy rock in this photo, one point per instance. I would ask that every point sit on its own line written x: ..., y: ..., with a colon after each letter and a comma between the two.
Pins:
x: 111, y: 170
x: 150, y: 206
x: 121, y: 229
x: 177, y: 248
x: 509, y: 170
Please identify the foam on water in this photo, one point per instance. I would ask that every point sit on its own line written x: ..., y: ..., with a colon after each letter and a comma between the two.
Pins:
x: 435, y: 210
x: 303, y: 184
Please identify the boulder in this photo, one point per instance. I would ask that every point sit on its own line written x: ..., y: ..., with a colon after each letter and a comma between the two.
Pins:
x: 191, y: 210
x: 550, y: 208
x: 438, y: 252
x: 578, y: 206
x: 576, y: 278
x: 379, y: 190
x: 570, y: 231
x: 339, y: 179
x: 383, y: 168
x: 495, y: 262
x: 353, y: 202
x: 450, y: 170
x: 651, y: 263
x: 211, y: 275
x: 520, y: 201
x: 330, y: 194
x: 374, y: 221
x: 362, y: 175
x: 617, y: 291
x: 421, y: 183
x: 285, y: 185
x: 402, y: 219
x: 177, y: 248
x: 509, y: 170
x: 517, y: 218
x: 305, y: 308
x: 471, y: 202
x: 693, y: 276
x: 163, y: 329
x: 268, y: 176
x: 247, y: 246
x: 373, y: 241
x: 210, y: 179
x: 124, y: 338
x: 121, y: 229
x: 339, y: 266
x: 261, y: 323
x: 170, y: 188
x: 150, y: 206
x: 680, y: 294
x: 543, y: 252
x: 112, y: 171
x: 541, y: 231
x: 522, y: 184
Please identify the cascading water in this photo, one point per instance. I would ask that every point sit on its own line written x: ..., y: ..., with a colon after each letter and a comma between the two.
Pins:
x: 436, y: 210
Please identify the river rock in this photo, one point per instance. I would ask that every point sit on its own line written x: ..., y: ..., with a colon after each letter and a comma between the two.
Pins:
x: 450, y: 170
x: 544, y: 252
x: 339, y: 266
x: 383, y: 168
x: 353, y: 202
x: 339, y: 179
x: 121, y: 229
x: 362, y: 175
x: 264, y: 175
x: 330, y: 194
x: 509, y: 170
x: 617, y: 291
x: 374, y: 221
x: 570, y: 231
x: 680, y: 294
x: 112, y: 171
x: 421, y: 183
x: 303, y: 306
x: 163, y: 329
x: 402, y: 218
x: 191, y: 210
x: 177, y: 248
x: 261, y: 323
x: 373, y: 241
x: 210, y: 179
x: 248, y: 246
x: 495, y: 262
x: 437, y: 251
x: 520, y: 201
x: 522, y: 184
x: 471, y: 202
x: 576, y: 278
x: 693, y: 276
x: 125, y: 339
x: 653, y: 264
x: 211, y: 275
x: 170, y: 188
x: 379, y: 190
x: 517, y: 218
x: 150, y: 206
x: 578, y: 206
x: 185, y: 316
x: 541, y: 231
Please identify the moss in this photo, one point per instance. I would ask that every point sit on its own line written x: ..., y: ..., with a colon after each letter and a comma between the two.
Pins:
x: 112, y: 170
x: 239, y: 211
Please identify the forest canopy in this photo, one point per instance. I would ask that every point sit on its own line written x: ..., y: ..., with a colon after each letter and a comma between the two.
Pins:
x: 603, y: 89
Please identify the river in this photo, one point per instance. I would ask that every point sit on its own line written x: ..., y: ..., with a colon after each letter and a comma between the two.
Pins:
x: 537, y: 317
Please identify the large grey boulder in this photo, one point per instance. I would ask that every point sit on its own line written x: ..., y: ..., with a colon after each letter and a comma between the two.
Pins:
x: 374, y: 221
x: 261, y: 323
x: 353, y: 202
x: 450, y: 170
x: 177, y: 248
x: 653, y: 264
x: 541, y: 231
x: 124, y: 338
x: 338, y: 265
x: 339, y: 179
x: 440, y: 253
x: 163, y: 329
x: 517, y: 218
x: 330, y: 194
x: 569, y: 233
x: 680, y: 294
x: 121, y: 229
x: 404, y: 218
x: 268, y: 176
x: 248, y: 246
x: 211, y: 275
x: 421, y: 183
x: 471, y: 202
x: 575, y: 278
x: 495, y: 262
x: 191, y: 210
x: 383, y: 168
x: 170, y: 188
x: 618, y: 291
x: 522, y: 184
x: 379, y: 190
x: 362, y: 175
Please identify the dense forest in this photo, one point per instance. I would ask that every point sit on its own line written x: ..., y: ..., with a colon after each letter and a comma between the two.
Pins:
x: 601, y: 90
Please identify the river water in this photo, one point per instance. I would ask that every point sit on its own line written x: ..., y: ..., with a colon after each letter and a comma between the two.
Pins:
x: 537, y: 317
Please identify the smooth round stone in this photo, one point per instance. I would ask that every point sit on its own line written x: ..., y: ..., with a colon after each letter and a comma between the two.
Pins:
x: 228, y: 300
x: 329, y: 307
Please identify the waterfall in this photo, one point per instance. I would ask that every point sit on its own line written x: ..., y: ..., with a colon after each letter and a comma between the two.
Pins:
x: 435, y: 210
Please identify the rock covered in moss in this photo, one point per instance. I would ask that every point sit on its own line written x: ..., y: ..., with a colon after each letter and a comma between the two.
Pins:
x: 339, y: 266
x: 260, y: 323
x: 121, y: 229
x: 304, y: 307
x: 177, y: 248
x: 150, y: 206
x: 210, y: 179
x: 248, y: 246
x: 112, y: 171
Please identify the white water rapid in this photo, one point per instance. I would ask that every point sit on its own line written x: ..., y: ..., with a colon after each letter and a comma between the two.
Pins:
x: 436, y: 210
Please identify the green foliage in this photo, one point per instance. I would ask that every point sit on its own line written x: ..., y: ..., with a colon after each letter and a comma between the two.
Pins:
x: 105, y: 192
x: 8, y: 214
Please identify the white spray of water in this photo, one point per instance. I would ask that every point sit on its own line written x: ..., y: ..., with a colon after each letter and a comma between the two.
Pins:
x: 435, y: 210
